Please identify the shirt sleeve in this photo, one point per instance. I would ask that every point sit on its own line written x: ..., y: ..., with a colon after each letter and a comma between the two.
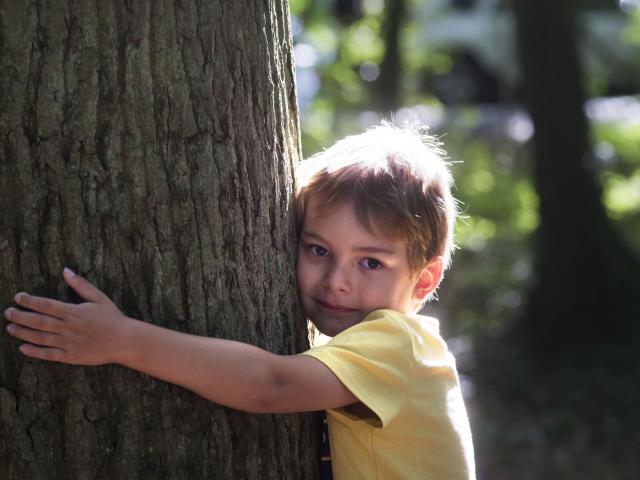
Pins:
x: 373, y: 359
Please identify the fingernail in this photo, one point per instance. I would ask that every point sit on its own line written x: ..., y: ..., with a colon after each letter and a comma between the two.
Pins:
x: 17, y: 297
x: 11, y: 328
x: 7, y: 313
x: 68, y: 272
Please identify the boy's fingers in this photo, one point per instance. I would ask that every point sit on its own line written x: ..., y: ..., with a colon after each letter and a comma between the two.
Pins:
x: 42, y: 353
x: 83, y: 287
x: 36, y: 321
x: 45, y: 339
x: 55, y: 308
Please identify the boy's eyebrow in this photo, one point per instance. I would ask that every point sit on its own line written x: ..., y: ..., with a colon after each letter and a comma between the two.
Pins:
x: 389, y: 250
x: 377, y: 249
x: 314, y: 236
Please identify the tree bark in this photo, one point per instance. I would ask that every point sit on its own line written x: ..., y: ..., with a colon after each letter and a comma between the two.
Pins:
x: 149, y: 146
x: 584, y: 300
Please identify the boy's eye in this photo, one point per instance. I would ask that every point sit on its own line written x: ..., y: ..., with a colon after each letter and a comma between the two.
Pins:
x: 371, y: 264
x: 319, y: 251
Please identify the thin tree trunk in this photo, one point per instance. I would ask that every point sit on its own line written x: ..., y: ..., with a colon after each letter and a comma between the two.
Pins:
x: 150, y: 146
x: 387, y: 86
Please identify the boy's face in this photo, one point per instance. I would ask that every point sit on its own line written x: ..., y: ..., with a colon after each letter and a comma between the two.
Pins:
x: 345, y: 272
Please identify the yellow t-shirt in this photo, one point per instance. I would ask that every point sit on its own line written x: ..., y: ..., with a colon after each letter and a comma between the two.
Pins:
x: 399, y: 367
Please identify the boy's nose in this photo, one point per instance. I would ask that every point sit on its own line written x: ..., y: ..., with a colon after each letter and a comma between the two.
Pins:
x: 338, y: 279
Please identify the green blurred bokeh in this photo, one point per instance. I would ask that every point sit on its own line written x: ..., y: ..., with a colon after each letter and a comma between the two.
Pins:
x: 459, y: 76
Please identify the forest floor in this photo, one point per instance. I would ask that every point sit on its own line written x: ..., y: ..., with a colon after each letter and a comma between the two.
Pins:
x: 563, y: 424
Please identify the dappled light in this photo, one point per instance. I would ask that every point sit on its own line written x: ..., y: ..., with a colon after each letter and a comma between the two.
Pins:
x: 460, y: 74
x: 183, y: 297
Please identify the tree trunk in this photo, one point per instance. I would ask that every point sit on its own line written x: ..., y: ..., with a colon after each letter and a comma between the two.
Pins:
x: 149, y: 146
x: 387, y: 87
x: 584, y: 303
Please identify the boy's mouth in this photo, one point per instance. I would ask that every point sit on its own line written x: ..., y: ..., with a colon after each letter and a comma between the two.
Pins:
x: 339, y: 309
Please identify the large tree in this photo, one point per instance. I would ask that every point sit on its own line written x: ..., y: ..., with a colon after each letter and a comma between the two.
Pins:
x: 150, y: 146
x: 584, y: 305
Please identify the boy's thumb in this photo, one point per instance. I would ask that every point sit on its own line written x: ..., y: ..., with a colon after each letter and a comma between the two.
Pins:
x: 82, y: 286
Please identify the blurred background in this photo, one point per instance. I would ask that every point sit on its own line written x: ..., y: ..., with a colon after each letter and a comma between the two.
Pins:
x: 538, y: 106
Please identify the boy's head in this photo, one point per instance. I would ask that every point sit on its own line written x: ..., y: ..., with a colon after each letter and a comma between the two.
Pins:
x: 397, y: 185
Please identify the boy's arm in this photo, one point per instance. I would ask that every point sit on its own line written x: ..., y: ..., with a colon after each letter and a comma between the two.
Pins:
x: 227, y: 372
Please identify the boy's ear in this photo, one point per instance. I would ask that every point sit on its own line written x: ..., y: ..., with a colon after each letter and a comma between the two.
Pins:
x: 428, y: 279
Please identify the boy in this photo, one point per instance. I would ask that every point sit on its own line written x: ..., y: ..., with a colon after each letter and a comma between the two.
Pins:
x: 375, y: 219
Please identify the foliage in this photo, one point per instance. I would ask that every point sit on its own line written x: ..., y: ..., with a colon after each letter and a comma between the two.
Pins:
x: 490, y: 151
x: 621, y: 178
x: 488, y: 145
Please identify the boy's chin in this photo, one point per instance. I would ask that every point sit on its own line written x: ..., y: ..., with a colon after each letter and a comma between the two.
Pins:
x: 332, y: 327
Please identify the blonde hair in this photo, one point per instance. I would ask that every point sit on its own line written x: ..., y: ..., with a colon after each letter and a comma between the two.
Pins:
x: 398, y: 182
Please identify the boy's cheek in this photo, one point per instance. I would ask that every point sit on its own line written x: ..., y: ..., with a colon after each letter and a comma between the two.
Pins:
x: 301, y: 273
x: 307, y: 276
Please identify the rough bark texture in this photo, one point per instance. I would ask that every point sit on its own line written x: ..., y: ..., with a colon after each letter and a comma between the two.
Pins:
x: 150, y: 146
x: 585, y: 298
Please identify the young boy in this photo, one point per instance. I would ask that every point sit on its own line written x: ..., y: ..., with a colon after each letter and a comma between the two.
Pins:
x: 375, y: 218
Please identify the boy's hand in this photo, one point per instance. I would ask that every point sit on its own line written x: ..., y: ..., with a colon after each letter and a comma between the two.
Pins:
x: 90, y: 333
